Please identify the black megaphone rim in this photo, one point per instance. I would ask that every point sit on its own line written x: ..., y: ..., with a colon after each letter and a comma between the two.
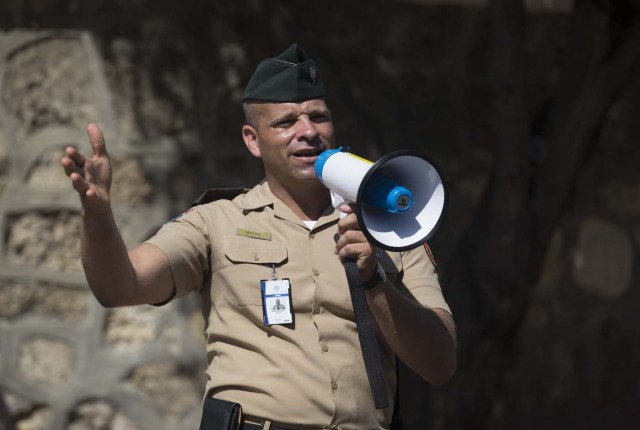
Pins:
x: 359, y: 198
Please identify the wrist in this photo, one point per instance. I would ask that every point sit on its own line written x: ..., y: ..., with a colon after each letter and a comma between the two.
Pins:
x: 379, y: 276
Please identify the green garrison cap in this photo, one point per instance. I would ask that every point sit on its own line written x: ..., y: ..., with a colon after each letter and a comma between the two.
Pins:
x: 289, y: 77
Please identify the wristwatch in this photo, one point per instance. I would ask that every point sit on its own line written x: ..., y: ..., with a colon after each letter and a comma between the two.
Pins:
x: 378, y: 278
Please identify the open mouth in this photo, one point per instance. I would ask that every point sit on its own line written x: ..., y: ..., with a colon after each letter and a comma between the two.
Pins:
x: 313, y: 152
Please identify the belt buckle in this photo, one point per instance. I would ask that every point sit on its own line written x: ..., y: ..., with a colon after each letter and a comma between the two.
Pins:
x: 265, y: 425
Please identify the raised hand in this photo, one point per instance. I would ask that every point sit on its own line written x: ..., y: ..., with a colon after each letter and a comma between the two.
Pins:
x: 90, y: 176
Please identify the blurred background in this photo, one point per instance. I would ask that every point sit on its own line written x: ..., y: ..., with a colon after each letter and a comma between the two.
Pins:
x: 530, y: 109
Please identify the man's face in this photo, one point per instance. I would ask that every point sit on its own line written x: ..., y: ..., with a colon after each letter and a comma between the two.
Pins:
x: 288, y: 137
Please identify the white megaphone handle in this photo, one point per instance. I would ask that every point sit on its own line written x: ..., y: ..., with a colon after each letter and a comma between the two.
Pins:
x: 337, y: 200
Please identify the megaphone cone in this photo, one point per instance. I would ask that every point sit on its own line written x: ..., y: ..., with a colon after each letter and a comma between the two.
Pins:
x: 399, y: 199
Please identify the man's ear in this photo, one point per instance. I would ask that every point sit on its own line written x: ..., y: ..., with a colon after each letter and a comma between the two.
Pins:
x: 250, y: 137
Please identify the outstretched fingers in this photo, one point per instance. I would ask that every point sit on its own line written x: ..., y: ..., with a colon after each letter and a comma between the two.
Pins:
x: 96, y: 138
x: 90, y: 175
x: 79, y: 183
x: 73, y: 161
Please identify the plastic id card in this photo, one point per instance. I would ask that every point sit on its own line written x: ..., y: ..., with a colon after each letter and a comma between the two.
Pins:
x: 276, y: 301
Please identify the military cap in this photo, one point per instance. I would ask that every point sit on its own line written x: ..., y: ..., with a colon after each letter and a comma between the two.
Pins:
x: 290, y: 77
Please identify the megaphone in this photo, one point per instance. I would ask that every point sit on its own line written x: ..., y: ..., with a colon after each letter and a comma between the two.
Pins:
x: 399, y: 199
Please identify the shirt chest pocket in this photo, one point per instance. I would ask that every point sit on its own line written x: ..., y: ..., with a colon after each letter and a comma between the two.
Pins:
x: 248, y: 261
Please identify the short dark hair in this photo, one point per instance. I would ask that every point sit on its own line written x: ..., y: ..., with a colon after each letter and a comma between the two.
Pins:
x: 250, y: 114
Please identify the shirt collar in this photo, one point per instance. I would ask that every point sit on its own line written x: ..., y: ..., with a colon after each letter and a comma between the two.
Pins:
x: 261, y: 196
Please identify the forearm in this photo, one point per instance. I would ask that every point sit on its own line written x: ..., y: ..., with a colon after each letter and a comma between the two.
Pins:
x: 116, y: 277
x: 105, y: 260
x: 424, y: 339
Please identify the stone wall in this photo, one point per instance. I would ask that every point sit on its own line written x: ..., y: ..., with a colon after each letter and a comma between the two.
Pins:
x: 65, y: 361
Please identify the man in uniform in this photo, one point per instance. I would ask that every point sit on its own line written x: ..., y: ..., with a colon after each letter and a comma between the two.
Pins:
x: 280, y: 239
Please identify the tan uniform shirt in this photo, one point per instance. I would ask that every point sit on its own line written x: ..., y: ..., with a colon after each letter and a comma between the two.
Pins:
x: 310, y: 372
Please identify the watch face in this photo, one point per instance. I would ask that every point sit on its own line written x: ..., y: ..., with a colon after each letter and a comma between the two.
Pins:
x: 380, y: 271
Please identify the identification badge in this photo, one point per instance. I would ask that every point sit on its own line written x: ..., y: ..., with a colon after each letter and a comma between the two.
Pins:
x: 276, y: 301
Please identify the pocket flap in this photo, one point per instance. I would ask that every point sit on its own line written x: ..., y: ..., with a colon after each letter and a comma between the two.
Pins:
x: 255, y: 251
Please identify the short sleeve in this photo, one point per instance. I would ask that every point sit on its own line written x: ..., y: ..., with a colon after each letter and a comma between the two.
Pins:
x: 185, y: 242
x: 420, y: 277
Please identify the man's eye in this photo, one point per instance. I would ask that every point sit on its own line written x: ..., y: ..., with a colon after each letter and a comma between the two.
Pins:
x: 284, y: 123
x: 320, y: 118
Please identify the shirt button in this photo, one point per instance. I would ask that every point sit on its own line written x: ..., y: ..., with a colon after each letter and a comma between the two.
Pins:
x: 312, y: 235
x: 316, y: 310
x: 325, y: 348
x: 334, y: 386
x: 316, y: 272
x: 256, y: 257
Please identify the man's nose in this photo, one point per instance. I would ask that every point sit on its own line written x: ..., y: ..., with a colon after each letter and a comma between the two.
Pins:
x: 306, y: 129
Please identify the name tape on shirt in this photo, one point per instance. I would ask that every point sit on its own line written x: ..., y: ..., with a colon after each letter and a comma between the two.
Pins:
x: 253, y: 234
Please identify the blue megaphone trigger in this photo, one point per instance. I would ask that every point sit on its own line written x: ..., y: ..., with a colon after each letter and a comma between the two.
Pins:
x: 381, y: 192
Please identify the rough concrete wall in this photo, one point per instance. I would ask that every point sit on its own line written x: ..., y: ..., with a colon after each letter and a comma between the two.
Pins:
x: 66, y: 362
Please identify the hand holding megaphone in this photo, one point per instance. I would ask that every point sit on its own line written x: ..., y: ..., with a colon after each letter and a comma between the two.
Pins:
x: 398, y: 202
x: 399, y: 199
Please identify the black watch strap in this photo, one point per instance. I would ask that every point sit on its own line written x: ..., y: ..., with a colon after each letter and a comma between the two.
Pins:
x: 377, y: 278
x: 374, y: 281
